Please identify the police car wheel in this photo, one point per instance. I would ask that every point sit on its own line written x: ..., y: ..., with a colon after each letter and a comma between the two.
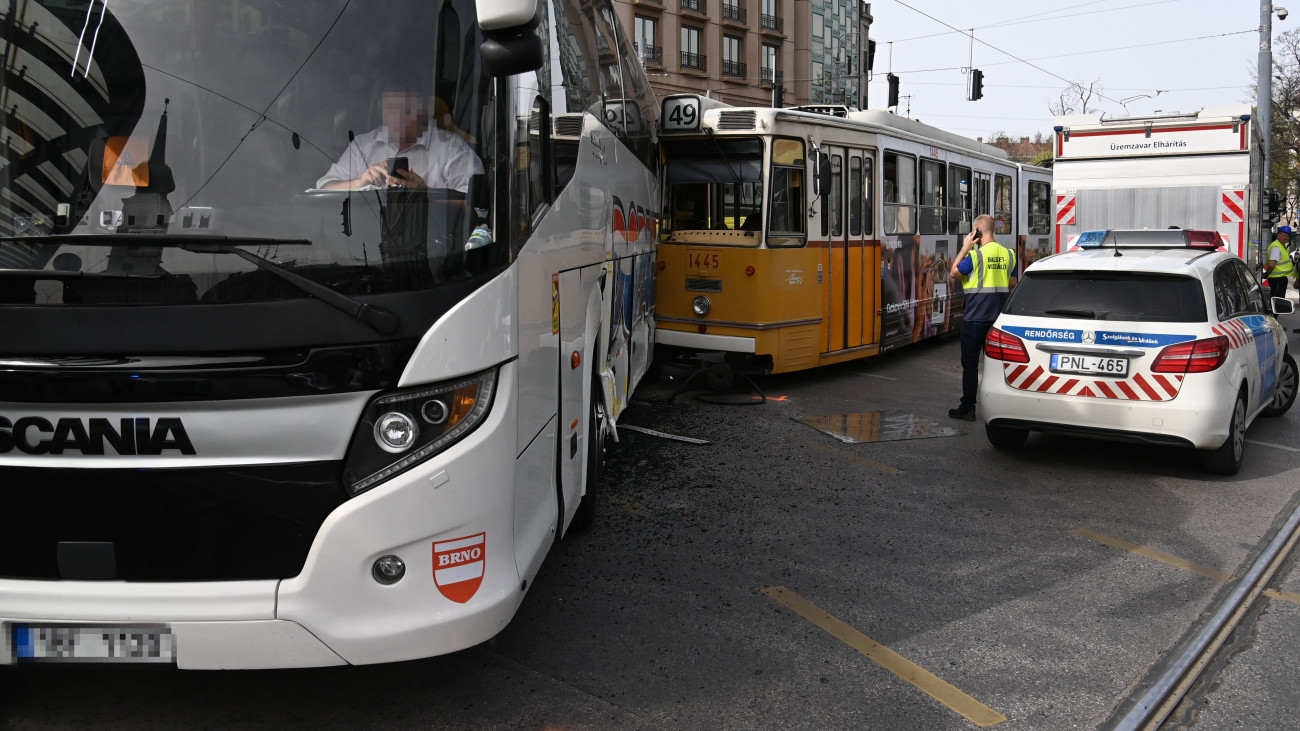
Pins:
x: 1226, y: 460
x: 1005, y: 437
x: 1284, y: 393
x: 585, y: 516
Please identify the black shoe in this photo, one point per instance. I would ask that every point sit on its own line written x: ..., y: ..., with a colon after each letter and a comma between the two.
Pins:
x: 963, y: 414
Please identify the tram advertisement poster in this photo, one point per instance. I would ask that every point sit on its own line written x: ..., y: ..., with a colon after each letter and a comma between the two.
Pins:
x: 916, y: 290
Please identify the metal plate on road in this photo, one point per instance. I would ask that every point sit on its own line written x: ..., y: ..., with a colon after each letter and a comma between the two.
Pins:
x: 878, y: 426
x: 78, y: 644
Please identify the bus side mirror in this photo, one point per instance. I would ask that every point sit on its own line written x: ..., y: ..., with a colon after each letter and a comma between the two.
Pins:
x: 510, y: 44
x: 510, y: 52
x: 823, y: 173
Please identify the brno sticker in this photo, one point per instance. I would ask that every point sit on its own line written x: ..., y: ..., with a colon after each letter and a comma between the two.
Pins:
x: 458, y: 566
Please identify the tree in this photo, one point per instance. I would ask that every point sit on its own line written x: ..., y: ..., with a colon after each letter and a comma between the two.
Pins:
x: 1285, y: 164
x: 1077, y: 99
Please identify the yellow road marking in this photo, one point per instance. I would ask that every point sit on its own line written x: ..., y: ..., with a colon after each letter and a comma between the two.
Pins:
x: 1178, y: 563
x: 886, y: 658
x: 1152, y: 553
x: 878, y: 466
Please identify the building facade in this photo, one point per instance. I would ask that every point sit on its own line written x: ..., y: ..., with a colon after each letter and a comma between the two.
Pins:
x: 736, y: 50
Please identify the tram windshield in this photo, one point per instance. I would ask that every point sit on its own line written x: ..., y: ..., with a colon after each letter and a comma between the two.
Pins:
x: 715, y: 185
x: 166, y: 153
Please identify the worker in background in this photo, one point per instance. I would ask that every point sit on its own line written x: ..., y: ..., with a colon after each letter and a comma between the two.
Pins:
x: 1278, y: 267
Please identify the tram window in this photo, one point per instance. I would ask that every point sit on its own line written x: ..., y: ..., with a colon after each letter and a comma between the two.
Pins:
x: 837, y: 195
x: 932, y: 179
x: 1040, y: 219
x: 787, y: 202
x: 900, y: 193
x: 855, y: 196
x: 1002, y: 205
x: 960, y: 187
x: 868, y: 199
x: 983, y: 185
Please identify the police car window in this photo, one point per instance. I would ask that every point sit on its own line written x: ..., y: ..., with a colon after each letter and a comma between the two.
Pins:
x: 1111, y: 296
x: 1253, y: 293
x: 1229, y: 295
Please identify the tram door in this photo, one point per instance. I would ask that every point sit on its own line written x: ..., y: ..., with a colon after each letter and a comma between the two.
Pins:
x: 852, y: 265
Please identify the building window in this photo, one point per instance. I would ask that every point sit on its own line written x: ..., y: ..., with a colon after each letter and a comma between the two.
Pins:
x: 693, y: 5
x: 647, y: 41
x: 818, y: 26
x: 769, y: 64
x: 691, y: 58
x: 732, y: 11
x: 731, y: 55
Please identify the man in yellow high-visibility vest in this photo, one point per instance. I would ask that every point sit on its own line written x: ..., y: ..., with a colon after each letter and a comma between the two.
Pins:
x: 987, y: 270
x: 1278, y: 266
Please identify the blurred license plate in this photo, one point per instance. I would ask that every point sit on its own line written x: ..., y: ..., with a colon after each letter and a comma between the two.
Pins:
x: 66, y: 643
x: 1092, y: 364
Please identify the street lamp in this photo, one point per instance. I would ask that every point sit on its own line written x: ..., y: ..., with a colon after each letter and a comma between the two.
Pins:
x: 1265, y: 72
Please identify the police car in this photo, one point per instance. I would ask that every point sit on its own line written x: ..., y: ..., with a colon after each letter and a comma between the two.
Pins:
x: 1150, y: 336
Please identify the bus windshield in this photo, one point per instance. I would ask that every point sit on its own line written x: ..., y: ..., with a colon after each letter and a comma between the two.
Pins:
x: 344, y: 142
x: 715, y: 185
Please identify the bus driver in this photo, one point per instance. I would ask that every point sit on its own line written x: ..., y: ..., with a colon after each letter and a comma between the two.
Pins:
x: 436, y: 158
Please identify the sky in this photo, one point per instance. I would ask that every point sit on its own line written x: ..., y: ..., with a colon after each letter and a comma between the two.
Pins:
x: 1196, y: 53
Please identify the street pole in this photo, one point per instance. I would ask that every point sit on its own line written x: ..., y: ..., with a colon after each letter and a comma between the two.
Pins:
x: 1265, y: 100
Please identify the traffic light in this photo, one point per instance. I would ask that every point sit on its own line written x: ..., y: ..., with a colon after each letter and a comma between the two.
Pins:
x: 976, y: 84
x: 893, y: 90
x: 1270, y: 209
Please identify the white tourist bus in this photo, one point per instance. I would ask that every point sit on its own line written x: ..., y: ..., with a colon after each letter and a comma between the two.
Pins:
x: 253, y: 416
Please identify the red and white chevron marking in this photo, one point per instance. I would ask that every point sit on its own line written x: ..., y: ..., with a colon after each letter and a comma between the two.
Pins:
x: 1155, y: 387
x: 1237, y: 332
x: 1233, y: 207
x: 1065, y: 209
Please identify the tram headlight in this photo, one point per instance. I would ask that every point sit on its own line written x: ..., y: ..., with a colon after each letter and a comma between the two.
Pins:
x: 401, y: 429
x: 701, y: 305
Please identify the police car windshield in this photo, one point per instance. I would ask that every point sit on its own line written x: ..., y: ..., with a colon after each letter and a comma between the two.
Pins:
x: 1125, y: 296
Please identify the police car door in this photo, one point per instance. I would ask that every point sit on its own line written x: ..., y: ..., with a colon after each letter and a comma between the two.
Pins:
x: 1255, y: 335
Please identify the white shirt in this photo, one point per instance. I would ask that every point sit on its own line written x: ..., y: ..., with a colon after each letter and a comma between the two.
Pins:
x: 443, y: 159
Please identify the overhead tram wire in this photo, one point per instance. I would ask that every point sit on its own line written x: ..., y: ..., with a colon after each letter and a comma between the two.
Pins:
x: 1022, y: 19
x: 1027, y: 62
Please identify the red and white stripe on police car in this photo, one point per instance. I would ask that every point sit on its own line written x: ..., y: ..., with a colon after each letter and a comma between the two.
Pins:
x: 458, y: 566
x: 1155, y: 387
x: 1237, y: 332
x: 1065, y: 209
x: 1233, y: 207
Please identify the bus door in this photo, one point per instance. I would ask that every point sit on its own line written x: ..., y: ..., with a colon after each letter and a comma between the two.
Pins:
x: 849, y: 324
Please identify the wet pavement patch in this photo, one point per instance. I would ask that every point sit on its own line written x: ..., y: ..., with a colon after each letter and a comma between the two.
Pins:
x: 878, y: 426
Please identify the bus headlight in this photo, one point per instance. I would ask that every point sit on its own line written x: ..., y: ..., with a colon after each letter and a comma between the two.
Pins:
x: 391, y: 438
x: 701, y: 305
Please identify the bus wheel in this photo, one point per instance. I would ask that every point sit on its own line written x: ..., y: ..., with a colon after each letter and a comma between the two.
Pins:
x: 585, y: 516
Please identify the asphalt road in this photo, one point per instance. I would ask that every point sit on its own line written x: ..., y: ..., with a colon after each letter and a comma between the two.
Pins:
x: 778, y: 577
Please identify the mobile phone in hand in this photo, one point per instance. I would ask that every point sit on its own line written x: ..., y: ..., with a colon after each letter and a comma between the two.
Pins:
x: 396, y: 165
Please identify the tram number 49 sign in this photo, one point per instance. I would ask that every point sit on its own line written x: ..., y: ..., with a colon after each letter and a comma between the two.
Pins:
x: 681, y: 113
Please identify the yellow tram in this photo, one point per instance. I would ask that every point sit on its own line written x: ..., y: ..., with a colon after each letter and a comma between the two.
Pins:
x: 794, y: 238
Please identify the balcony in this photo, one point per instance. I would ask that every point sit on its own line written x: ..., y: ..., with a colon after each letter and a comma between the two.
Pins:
x: 695, y: 6
x: 771, y: 23
x: 733, y: 13
x: 733, y: 68
x: 766, y: 75
x: 650, y: 55
x: 694, y: 61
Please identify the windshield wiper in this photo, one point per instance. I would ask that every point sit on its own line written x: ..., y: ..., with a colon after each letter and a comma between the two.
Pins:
x: 378, y: 319
x: 1072, y: 313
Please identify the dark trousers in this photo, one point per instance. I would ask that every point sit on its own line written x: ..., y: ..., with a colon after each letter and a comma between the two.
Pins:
x: 973, y: 333
x: 1278, y: 285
